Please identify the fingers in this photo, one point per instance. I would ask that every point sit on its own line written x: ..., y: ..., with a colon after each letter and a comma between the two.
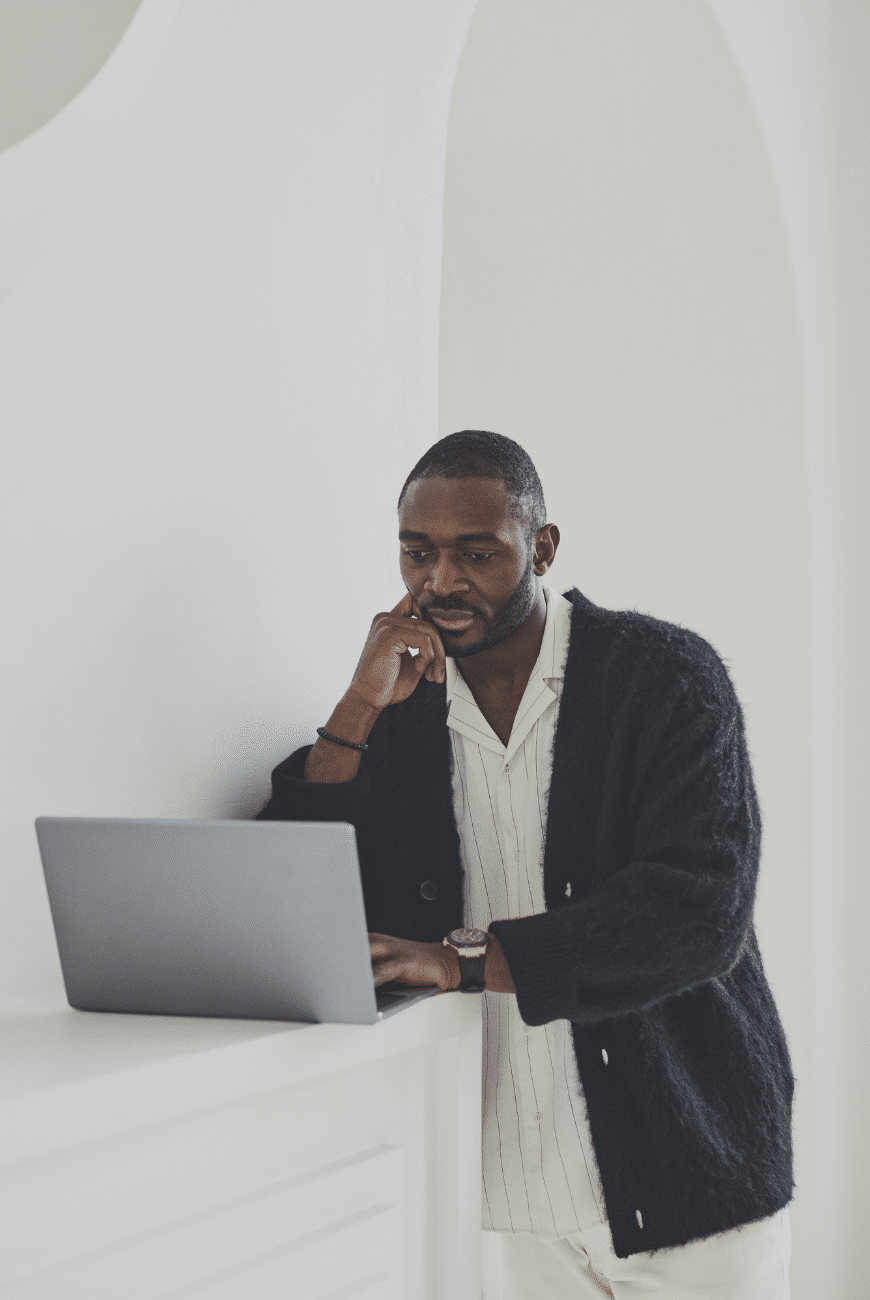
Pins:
x: 439, y: 667
x: 385, y: 966
x: 426, y: 656
x: 381, y: 946
x: 431, y: 662
x: 436, y: 665
x: 404, y: 645
x: 423, y: 637
x: 404, y: 973
x: 386, y: 971
x: 406, y: 962
x: 436, y: 660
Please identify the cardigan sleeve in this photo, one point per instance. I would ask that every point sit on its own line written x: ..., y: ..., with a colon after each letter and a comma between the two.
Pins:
x: 295, y: 799
x: 678, y: 911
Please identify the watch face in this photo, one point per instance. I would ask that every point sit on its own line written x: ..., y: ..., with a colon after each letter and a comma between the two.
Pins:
x: 467, y: 938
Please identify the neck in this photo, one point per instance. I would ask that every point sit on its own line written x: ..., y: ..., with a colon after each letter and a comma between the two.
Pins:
x: 507, y: 667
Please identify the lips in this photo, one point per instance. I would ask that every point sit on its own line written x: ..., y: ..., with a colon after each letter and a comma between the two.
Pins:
x: 451, y: 621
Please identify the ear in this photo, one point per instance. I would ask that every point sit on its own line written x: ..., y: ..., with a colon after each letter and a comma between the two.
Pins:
x: 546, y: 545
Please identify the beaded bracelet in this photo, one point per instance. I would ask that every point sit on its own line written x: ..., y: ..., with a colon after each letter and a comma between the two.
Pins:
x: 349, y: 743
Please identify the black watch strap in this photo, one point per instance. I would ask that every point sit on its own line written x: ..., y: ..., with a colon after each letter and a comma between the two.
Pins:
x: 471, y: 973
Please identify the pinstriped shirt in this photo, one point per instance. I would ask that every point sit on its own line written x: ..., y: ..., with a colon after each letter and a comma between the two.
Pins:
x: 539, y: 1171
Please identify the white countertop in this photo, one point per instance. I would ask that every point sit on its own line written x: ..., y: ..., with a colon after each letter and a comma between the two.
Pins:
x: 68, y: 1077
x: 59, y: 1046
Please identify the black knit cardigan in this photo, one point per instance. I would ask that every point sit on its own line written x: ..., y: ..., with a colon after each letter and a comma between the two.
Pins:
x: 651, y: 954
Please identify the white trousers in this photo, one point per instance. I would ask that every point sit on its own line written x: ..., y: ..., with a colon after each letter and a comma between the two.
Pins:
x: 746, y: 1263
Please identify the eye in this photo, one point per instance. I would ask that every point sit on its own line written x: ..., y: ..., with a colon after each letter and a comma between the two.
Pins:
x: 479, y: 557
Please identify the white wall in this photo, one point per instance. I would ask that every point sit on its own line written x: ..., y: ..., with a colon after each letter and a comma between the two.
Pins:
x: 807, y: 65
x: 655, y: 276
x: 654, y: 281
x: 618, y: 296
x: 218, y: 350
x: 50, y: 50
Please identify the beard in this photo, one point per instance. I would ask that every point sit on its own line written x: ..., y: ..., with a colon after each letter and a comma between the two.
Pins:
x: 506, y: 621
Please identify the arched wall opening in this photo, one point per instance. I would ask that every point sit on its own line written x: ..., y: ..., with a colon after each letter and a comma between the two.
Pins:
x: 618, y: 295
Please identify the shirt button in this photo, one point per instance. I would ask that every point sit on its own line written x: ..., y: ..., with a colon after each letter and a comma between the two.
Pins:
x: 605, y: 1058
x: 539, y: 1117
x: 430, y: 890
x: 506, y: 770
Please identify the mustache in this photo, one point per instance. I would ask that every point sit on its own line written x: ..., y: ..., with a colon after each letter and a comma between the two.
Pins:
x: 446, y: 607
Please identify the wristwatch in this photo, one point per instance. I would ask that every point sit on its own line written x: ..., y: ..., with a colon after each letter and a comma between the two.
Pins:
x: 470, y: 947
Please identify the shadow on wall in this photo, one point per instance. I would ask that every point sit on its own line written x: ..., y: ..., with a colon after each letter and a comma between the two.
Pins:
x: 49, y: 51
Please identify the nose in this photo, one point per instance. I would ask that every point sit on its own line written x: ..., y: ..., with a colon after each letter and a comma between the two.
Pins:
x: 441, y: 581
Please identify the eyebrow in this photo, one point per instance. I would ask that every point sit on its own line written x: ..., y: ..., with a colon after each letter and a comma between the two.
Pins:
x: 408, y: 535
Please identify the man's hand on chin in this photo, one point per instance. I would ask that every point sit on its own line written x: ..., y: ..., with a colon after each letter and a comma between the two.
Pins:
x: 421, y: 965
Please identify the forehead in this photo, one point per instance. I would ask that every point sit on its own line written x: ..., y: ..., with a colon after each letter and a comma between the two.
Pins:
x: 451, y: 507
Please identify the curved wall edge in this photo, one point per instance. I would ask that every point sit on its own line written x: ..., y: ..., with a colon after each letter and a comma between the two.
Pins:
x: 47, y: 178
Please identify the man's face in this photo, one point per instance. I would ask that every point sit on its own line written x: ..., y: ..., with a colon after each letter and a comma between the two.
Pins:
x: 464, y: 549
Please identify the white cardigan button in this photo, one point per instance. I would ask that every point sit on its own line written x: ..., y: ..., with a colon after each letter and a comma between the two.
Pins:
x: 604, y: 1055
x: 639, y: 1217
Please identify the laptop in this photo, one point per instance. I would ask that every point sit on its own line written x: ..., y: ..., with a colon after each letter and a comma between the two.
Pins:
x: 239, y: 919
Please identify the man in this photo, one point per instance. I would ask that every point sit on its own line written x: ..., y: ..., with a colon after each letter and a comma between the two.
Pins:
x: 574, y: 783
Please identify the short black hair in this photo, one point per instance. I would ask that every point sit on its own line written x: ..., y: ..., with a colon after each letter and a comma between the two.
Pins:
x: 476, y: 453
